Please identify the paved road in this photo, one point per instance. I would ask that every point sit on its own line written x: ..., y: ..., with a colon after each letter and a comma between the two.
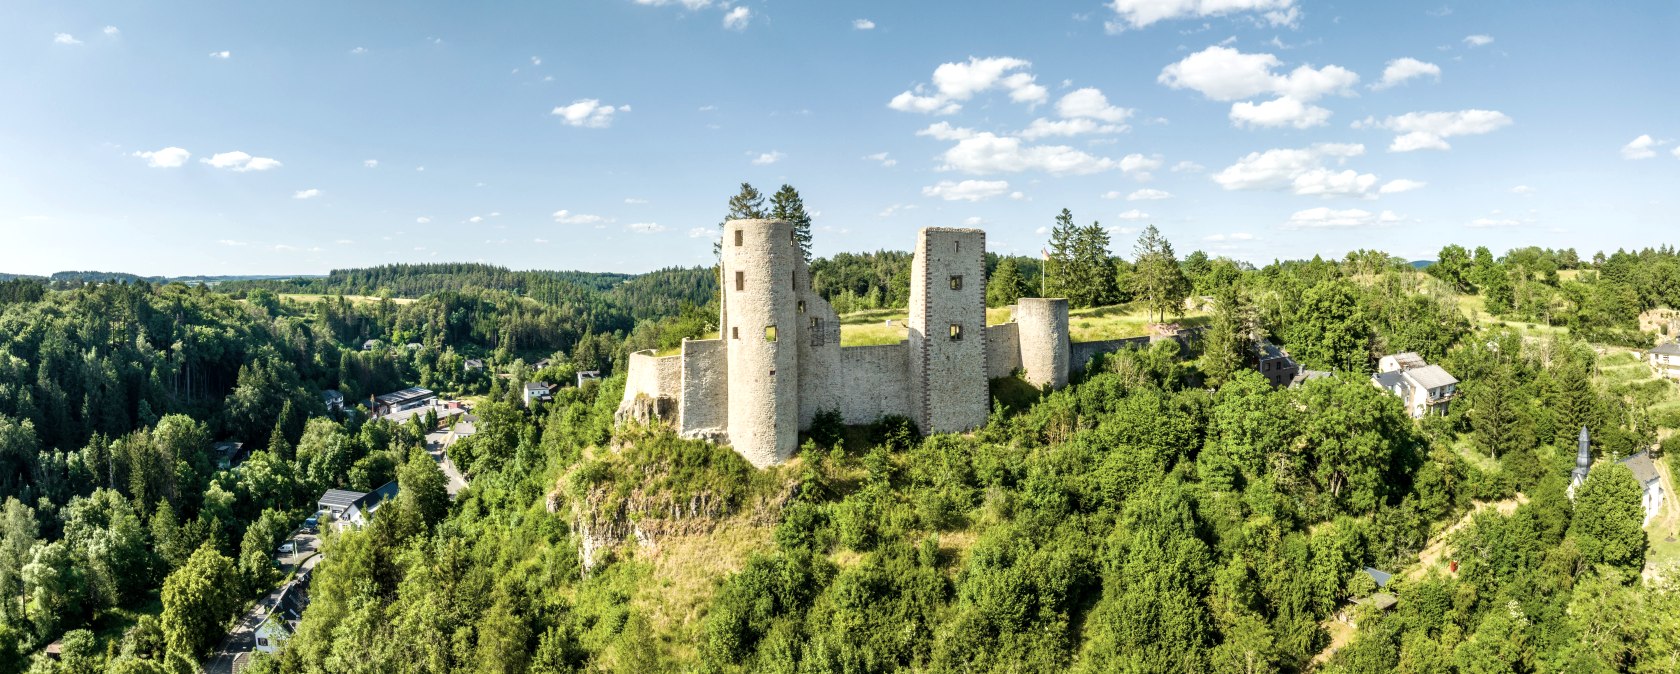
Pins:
x: 236, y: 647
x: 436, y: 443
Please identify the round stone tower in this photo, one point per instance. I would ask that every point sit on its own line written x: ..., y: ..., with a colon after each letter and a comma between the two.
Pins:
x: 759, y: 325
x: 1043, y: 328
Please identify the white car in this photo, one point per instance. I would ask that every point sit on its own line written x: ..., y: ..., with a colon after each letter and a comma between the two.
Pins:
x: 288, y: 548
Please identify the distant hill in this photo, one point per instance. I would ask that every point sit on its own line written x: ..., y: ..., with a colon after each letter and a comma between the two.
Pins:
x: 1420, y: 264
x: 124, y: 277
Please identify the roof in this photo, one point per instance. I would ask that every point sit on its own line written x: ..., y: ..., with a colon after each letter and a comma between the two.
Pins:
x: 228, y: 447
x: 1408, y: 360
x: 1643, y: 470
x: 1669, y: 349
x: 1383, y: 601
x: 341, y: 498
x: 1305, y: 376
x: 330, y: 394
x: 542, y: 387
x: 1389, y: 380
x: 1269, y: 351
x: 1431, y: 376
x: 406, y: 395
x: 1382, y: 577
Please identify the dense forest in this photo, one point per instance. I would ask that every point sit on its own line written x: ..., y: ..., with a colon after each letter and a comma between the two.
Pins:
x: 1170, y: 511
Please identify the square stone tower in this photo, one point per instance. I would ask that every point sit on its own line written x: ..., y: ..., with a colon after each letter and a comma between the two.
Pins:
x: 948, y: 388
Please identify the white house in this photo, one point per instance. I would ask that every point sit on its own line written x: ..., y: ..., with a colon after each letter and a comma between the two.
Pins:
x: 1423, y: 388
x: 282, y: 619
x: 1650, y: 482
x: 538, y: 391
x: 1665, y: 360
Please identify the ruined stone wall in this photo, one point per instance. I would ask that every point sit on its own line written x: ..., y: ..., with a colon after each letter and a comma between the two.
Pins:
x: 1045, y: 348
x: 762, y: 335
x: 1003, y: 350
x: 1080, y: 353
x: 948, y: 330
x: 819, y: 350
x: 704, y: 411
x: 874, y: 381
x: 651, y: 376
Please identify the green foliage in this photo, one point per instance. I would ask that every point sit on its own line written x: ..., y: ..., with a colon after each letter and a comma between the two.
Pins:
x: 197, y: 599
x: 1157, y: 278
x: 1608, y: 519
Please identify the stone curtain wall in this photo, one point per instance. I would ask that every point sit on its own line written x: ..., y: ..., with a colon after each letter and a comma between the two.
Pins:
x: 652, y: 377
x: 948, y: 374
x: 819, y: 350
x: 874, y: 381
x: 1080, y: 353
x: 758, y: 277
x: 704, y: 407
x: 1003, y: 350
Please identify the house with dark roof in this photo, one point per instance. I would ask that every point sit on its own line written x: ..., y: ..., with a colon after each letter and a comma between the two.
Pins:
x: 472, y: 364
x: 282, y: 619
x: 1650, y: 483
x: 408, y: 398
x: 333, y: 400
x: 1665, y: 360
x: 1422, y: 388
x: 228, y: 454
x: 586, y: 375
x: 1304, y: 376
x: 337, y: 501
x: 1274, y: 363
x: 538, y: 391
x: 361, y: 512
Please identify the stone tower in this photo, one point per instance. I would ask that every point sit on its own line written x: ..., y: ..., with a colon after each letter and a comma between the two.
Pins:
x: 759, y: 323
x: 948, y: 388
x: 1043, y: 325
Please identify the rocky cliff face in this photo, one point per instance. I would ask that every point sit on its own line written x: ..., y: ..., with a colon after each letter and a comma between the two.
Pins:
x: 645, y: 410
x: 604, y: 522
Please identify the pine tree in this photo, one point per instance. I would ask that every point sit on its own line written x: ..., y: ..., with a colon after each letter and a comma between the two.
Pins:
x: 1006, y: 286
x: 277, y: 443
x: 748, y: 204
x: 1157, y: 278
x: 1092, y: 268
x: 1056, y: 262
x: 1231, y: 334
x: 785, y: 204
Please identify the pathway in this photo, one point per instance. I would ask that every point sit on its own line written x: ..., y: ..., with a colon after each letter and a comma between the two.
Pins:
x: 235, y: 650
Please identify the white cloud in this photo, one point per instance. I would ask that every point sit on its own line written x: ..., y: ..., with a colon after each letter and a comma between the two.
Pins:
x: 767, y: 158
x: 886, y: 160
x: 1402, y: 69
x: 240, y: 162
x: 565, y: 217
x: 1640, y: 148
x: 944, y: 131
x: 1041, y: 127
x: 1188, y: 166
x: 1481, y: 223
x: 704, y: 233
x: 967, y: 190
x: 1133, y: 215
x: 1148, y: 194
x: 65, y: 38
x: 1430, y: 130
x: 634, y: 201
x: 588, y: 113
x: 475, y: 219
x: 169, y: 157
x: 1324, y: 218
x: 1090, y: 103
x: 1522, y: 189
x: 974, y: 221
x: 1234, y: 236
x: 112, y: 31
x: 423, y: 220
x: 1139, y: 166
x: 957, y: 82
x: 223, y: 55
x: 645, y: 227
x: 370, y: 163
x: 536, y: 61
x: 1300, y: 170
x: 1141, y: 13
x: 1399, y: 185
x: 737, y: 18
x: 1278, y: 112
x: 359, y: 51
x: 310, y: 193
x: 984, y: 153
x: 863, y: 24
x: 1018, y: 196
x: 1478, y: 40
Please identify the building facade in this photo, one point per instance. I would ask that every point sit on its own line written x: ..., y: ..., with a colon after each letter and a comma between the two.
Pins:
x: 778, y: 361
x: 1423, y: 388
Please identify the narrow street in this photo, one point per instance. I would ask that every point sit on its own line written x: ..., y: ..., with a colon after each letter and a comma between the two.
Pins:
x: 235, y: 649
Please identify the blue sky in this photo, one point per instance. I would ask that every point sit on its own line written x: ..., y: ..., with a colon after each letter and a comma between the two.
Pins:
x: 298, y: 137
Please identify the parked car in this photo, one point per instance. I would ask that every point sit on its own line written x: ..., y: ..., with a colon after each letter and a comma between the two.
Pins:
x: 312, y: 524
x: 288, y: 548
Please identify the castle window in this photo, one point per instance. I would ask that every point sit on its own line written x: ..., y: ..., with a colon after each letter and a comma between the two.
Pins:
x: 816, y: 331
x: 734, y: 333
x: 738, y: 235
x: 796, y: 280
x: 956, y: 332
x: 956, y: 282
x: 740, y: 280
x: 769, y: 333
x: 958, y: 246
x: 802, y: 306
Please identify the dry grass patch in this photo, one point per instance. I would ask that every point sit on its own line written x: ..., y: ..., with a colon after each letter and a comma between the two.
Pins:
x: 685, y: 570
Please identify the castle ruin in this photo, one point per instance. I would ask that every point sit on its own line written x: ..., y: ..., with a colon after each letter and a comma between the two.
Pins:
x: 778, y: 361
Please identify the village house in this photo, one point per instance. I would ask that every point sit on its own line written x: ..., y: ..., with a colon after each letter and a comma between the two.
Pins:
x: 1423, y: 388
x: 1650, y: 483
x: 1274, y: 363
x: 472, y: 365
x: 1665, y: 360
x: 335, y: 502
x: 333, y: 400
x: 538, y: 391
x: 353, y: 508
x: 228, y: 454
x: 586, y: 375
x: 1378, y: 601
x: 282, y: 619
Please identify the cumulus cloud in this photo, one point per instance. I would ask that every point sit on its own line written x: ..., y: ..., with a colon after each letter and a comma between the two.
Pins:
x: 1041, y: 127
x: 1139, y: 166
x: 983, y: 153
x: 1402, y: 69
x: 767, y: 158
x: 588, y: 113
x: 310, y: 193
x: 645, y: 227
x: 967, y: 190
x: 112, y: 31
x: 223, y: 55
x: 359, y: 51
x: 737, y: 18
x: 1188, y: 166
x: 1676, y: 152
x: 65, y: 38
x: 169, y: 157
x: 1399, y: 185
x: 1141, y: 13
x: 954, y: 83
x: 240, y: 162
x: 1133, y: 215
x: 1326, y: 218
x: 886, y: 160
x: 1090, y: 103
x: 1305, y: 171
x: 370, y: 163
x: 566, y: 217
x: 1147, y: 194
x: 863, y: 24
x: 1430, y: 130
x: 1224, y: 74
x: 1643, y: 147
x: 1522, y: 189
x: 423, y: 220
x: 1478, y: 40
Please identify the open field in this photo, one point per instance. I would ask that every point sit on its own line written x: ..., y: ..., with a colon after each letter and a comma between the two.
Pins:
x: 310, y: 298
x: 1085, y: 325
x: 1475, y: 309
